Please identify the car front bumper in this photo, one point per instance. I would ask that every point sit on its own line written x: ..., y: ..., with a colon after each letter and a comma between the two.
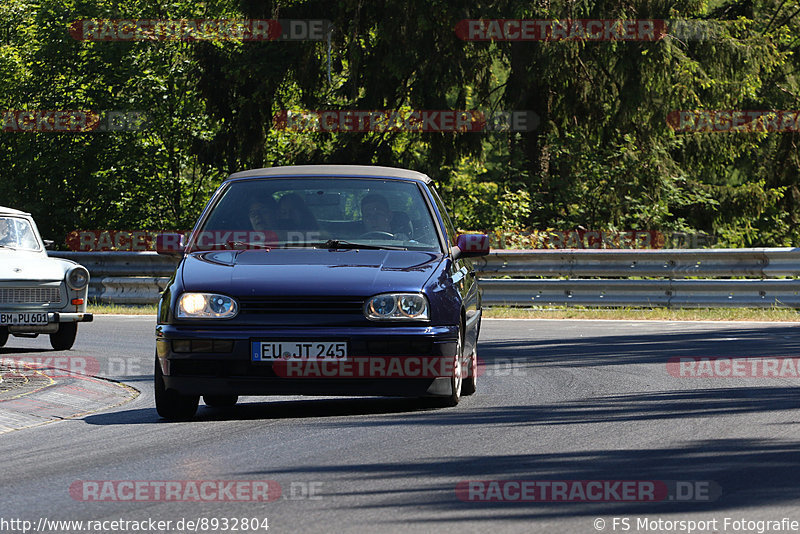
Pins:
x: 59, y: 317
x: 225, y: 366
x: 53, y: 320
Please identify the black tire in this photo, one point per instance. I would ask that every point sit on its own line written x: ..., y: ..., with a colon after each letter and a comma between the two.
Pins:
x: 3, y: 335
x: 220, y: 401
x: 470, y: 383
x: 171, y: 404
x: 64, y: 338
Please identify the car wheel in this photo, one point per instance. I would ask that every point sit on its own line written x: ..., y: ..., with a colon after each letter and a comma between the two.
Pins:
x: 456, y: 380
x: 3, y: 335
x: 220, y: 401
x: 171, y: 404
x: 64, y: 338
x: 470, y: 383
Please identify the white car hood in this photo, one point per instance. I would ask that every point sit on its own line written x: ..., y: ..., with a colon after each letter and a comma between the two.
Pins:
x: 16, y: 265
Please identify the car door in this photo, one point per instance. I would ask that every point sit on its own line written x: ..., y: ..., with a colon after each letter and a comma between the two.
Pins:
x: 462, y: 273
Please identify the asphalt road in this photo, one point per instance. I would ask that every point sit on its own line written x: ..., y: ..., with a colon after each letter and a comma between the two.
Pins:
x: 558, y: 401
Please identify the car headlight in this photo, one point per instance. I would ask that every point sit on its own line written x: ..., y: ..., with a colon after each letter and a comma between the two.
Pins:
x: 77, y: 278
x: 206, y: 306
x: 397, y: 306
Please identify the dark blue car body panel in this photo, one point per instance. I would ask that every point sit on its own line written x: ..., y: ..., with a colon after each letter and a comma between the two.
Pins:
x: 308, y: 293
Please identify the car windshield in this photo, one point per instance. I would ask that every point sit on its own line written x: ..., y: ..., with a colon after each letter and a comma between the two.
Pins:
x: 17, y: 233
x: 320, y: 212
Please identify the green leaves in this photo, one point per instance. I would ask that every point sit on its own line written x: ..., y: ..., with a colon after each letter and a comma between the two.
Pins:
x: 602, y: 156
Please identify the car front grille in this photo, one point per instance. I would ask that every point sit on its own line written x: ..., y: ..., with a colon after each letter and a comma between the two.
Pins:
x: 30, y: 295
x: 301, y: 305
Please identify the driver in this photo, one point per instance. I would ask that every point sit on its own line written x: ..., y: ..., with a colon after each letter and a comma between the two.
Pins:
x: 376, y: 215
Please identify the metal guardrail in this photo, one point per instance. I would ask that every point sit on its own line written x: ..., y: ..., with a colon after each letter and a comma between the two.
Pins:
x: 722, y: 293
x: 139, y: 277
x: 124, y: 277
x: 667, y: 263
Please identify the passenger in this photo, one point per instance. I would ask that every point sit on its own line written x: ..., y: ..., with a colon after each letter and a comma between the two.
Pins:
x: 262, y: 214
x: 293, y: 214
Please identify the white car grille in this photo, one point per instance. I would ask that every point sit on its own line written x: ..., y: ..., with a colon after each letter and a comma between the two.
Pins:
x: 30, y: 295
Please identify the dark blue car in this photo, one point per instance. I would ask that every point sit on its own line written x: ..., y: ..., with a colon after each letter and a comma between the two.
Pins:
x: 319, y: 280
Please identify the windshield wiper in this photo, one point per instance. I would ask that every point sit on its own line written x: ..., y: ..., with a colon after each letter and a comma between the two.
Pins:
x: 342, y: 244
x: 9, y: 247
x: 231, y: 245
x: 244, y: 245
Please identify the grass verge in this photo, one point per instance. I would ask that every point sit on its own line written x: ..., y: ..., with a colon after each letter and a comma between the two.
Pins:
x: 120, y: 309
x: 637, y: 314
x: 572, y: 312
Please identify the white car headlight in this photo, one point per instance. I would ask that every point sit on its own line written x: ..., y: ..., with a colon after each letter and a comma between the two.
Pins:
x: 206, y: 306
x: 397, y: 306
x: 77, y: 278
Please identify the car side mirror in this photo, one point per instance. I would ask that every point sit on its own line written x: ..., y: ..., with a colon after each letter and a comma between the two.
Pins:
x: 170, y: 244
x: 470, y: 246
x: 49, y: 244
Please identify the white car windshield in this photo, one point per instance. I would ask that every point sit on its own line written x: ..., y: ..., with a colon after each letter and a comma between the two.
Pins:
x: 17, y: 233
x: 322, y: 212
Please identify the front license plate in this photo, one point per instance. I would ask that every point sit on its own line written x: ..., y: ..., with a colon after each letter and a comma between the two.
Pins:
x: 23, y: 319
x: 270, y: 351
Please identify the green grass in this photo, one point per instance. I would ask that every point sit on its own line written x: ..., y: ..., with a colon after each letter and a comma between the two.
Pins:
x: 636, y: 314
x: 119, y: 309
x: 563, y: 312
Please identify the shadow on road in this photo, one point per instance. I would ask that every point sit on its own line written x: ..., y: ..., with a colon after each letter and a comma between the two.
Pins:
x: 638, y: 344
x: 28, y: 350
x: 751, y: 473
x: 281, y: 409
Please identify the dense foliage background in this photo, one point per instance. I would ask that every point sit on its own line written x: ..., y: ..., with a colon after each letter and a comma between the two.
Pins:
x: 602, y: 158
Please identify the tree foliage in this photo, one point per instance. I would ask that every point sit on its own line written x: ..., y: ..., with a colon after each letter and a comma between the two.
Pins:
x: 603, y: 156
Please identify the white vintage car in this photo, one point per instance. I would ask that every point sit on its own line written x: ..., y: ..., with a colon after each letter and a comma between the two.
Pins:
x: 38, y: 294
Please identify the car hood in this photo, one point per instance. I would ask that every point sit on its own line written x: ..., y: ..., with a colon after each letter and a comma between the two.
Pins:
x: 17, y: 265
x: 308, y: 272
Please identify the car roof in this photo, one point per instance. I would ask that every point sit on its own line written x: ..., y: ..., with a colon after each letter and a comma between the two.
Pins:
x: 333, y: 170
x: 12, y: 211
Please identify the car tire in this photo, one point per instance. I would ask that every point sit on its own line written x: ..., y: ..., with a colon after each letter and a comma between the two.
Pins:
x: 171, y: 404
x: 64, y: 338
x: 3, y: 335
x: 456, y: 381
x: 220, y: 401
x: 470, y: 383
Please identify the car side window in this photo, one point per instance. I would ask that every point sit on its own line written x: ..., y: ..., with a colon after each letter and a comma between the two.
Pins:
x: 448, y: 225
x: 25, y: 237
x: 17, y: 233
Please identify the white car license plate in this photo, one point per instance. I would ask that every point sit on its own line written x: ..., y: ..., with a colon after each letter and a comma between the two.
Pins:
x: 23, y: 319
x: 270, y: 351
